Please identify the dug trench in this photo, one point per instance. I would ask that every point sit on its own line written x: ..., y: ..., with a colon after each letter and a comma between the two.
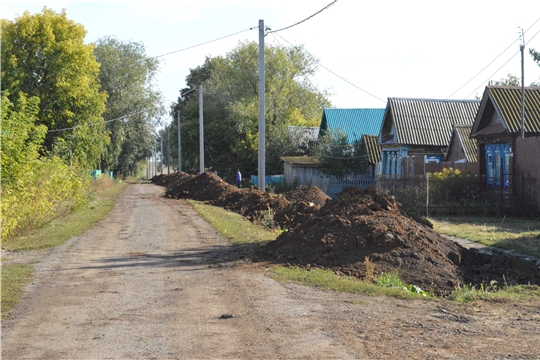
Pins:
x: 341, y: 233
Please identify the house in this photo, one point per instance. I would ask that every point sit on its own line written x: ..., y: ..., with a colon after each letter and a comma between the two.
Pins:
x: 462, y: 148
x: 509, y: 161
x: 299, y: 170
x: 420, y: 129
x: 355, y: 122
x: 373, y: 151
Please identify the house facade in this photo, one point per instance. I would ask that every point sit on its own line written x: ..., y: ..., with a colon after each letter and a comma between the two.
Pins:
x: 509, y: 144
x: 420, y: 130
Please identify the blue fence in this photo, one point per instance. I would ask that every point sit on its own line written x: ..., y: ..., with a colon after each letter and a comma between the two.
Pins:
x: 336, y: 185
x: 269, y: 180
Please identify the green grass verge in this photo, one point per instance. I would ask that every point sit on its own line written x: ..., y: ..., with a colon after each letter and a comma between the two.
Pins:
x: 14, y: 279
x: 494, y: 293
x: 232, y: 226
x: 519, y: 235
x: 328, y: 280
x: 59, y: 231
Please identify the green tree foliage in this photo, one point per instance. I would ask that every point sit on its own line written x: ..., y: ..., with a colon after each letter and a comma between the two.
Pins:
x: 511, y: 80
x: 44, y: 56
x: 126, y: 75
x: 34, y: 189
x: 231, y: 108
x: 339, y: 157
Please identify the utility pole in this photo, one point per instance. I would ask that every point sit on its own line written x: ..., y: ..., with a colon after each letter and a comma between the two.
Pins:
x: 201, y: 131
x: 262, y: 126
x: 161, y: 155
x: 168, y: 150
x: 179, y: 142
x: 522, y: 48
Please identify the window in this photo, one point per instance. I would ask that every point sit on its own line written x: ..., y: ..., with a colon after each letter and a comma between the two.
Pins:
x: 498, y: 164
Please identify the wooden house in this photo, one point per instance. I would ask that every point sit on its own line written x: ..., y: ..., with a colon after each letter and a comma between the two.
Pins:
x: 509, y: 145
x: 420, y: 130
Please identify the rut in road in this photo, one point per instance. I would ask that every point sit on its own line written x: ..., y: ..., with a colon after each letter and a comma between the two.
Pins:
x: 152, y: 281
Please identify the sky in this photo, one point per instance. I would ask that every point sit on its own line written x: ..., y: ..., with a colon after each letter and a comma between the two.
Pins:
x: 378, y: 49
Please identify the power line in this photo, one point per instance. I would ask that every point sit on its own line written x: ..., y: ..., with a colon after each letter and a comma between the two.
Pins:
x: 94, y: 124
x: 513, y: 42
x: 330, y: 71
x: 306, y: 19
x: 499, y: 68
x: 201, y: 44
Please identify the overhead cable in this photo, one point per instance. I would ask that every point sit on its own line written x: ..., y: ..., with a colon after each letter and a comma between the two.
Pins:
x: 538, y: 32
x: 306, y: 19
x: 327, y: 69
x: 201, y: 44
x: 99, y: 123
x: 513, y: 42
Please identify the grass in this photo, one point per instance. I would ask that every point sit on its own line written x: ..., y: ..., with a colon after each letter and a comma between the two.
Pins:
x: 232, y: 226
x: 493, y: 292
x: 16, y: 276
x: 14, y: 279
x: 519, y: 235
x: 328, y: 280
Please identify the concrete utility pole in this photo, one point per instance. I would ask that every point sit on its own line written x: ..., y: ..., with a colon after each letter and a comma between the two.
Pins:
x: 262, y: 125
x: 179, y: 143
x: 168, y: 150
x: 201, y: 131
x: 522, y: 48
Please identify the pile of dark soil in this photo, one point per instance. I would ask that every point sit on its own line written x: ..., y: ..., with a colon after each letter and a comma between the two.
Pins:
x: 204, y: 187
x: 309, y: 194
x: 341, y: 233
x: 362, y: 224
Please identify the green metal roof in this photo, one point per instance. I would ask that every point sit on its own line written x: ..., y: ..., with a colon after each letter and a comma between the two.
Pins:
x: 374, y: 150
x: 355, y: 122
x: 507, y: 102
x: 428, y: 121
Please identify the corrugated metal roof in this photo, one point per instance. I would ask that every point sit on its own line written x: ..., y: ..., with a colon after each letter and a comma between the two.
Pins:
x: 429, y: 121
x: 301, y: 160
x: 507, y: 100
x: 355, y: 122
x: 374, y: 150
x: 463, y: 134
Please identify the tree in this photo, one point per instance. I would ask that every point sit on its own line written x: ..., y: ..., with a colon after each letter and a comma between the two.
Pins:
x: 511, y: 80
x: 126, y: 75
x: 44, y: 55
x: 338, y: 157
x: 231, y: 108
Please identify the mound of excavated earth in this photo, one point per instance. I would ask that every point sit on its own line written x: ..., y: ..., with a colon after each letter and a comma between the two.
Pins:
x: 361, y: 224
x: 341, y: 233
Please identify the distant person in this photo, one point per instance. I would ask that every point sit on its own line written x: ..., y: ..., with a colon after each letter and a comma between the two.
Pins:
x: 238, y: 178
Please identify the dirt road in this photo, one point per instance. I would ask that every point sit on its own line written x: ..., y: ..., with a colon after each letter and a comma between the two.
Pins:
x: 155, y: 281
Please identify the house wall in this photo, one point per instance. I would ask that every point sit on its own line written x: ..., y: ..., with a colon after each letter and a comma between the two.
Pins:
x: 302, y: 173
x: 527, y: 160
x: 455, y: 152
